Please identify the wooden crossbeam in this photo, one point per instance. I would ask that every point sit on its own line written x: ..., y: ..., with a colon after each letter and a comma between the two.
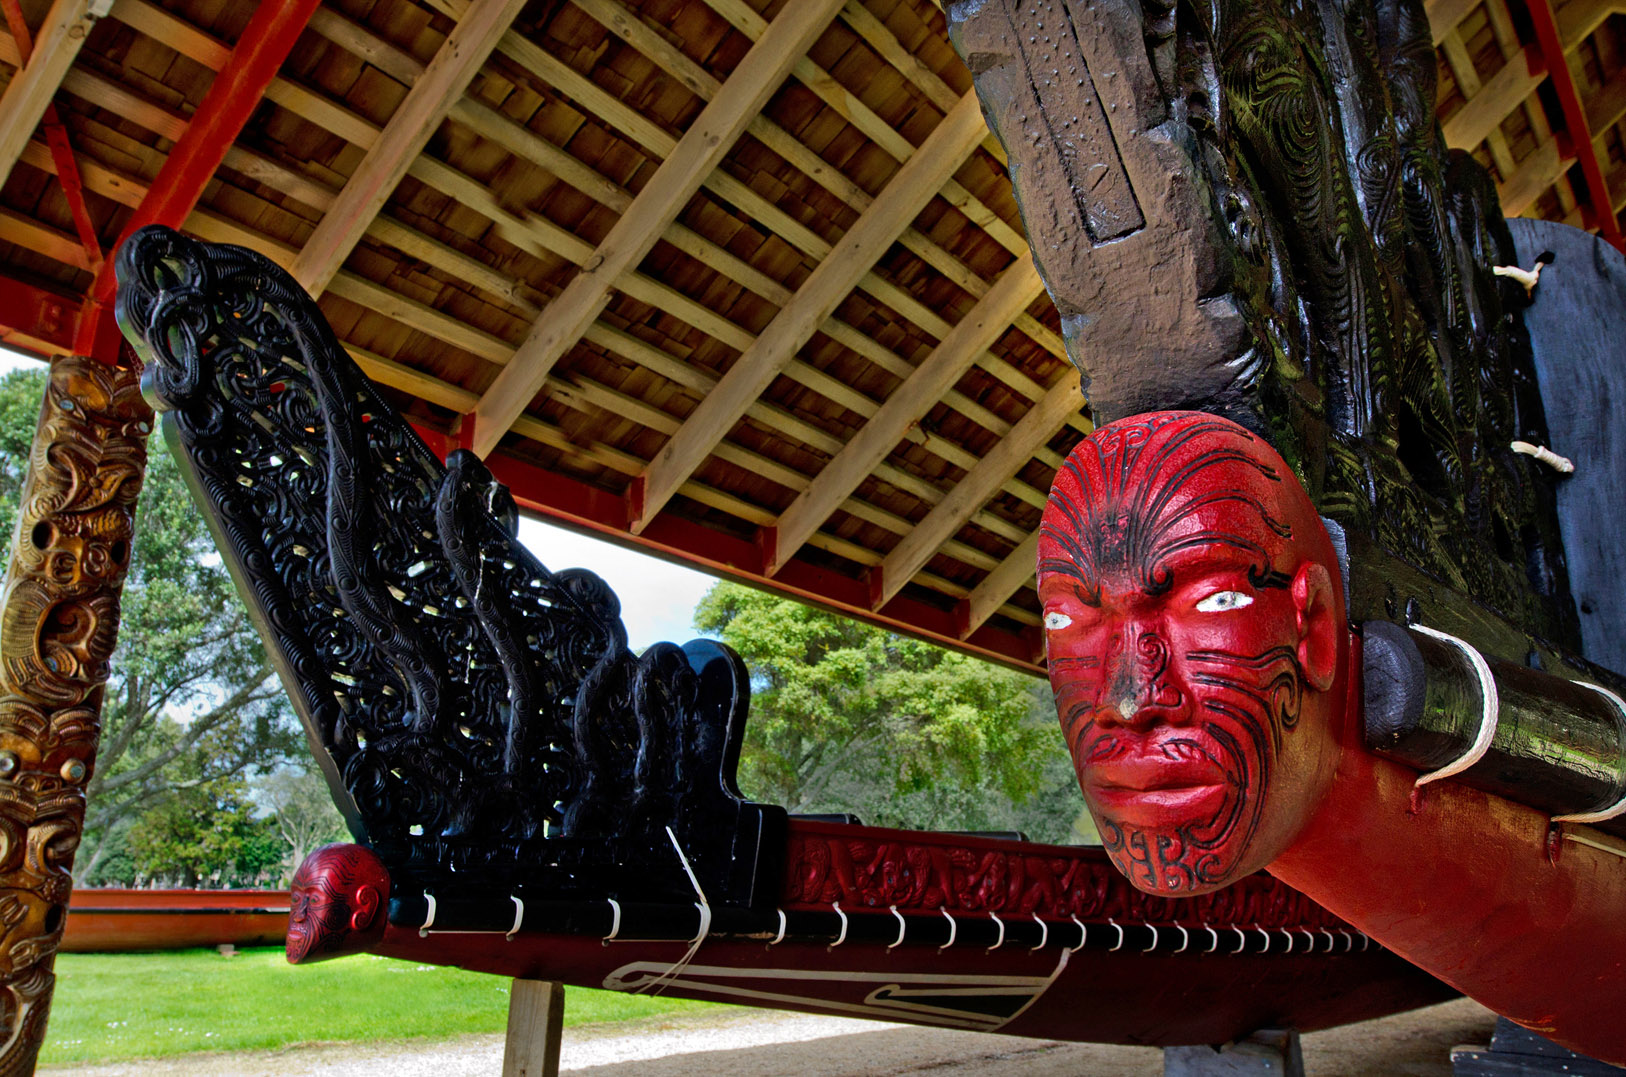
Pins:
x: 696, y: 155
x: 910, y: 188
x: 1535, y: 174
x: 1578, y: 19
x: 403, y: 138
x: 999, y: 585
x: 63, y: 34
x: 1607, y: 105
x: 1444, y: 15
x: 1016, y: 289
x: 1503, y: 93
x: 1006, y: 458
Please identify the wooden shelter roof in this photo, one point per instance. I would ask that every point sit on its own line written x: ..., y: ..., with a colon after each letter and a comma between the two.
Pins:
x: 767, y: 310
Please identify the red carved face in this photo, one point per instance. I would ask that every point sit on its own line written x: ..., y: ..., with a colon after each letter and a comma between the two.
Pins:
x: 1194, y: 627
x: 337, y: 903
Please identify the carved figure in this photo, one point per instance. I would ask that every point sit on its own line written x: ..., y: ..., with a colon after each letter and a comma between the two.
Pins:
x: 337, y: 903
x: 1193, y: 625
x: 59, y: 616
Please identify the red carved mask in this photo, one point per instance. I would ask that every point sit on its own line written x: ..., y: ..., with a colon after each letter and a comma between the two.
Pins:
x: 1194, y: 627
x: 337, y: 903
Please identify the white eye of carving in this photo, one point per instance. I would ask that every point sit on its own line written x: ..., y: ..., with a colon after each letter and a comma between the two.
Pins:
x: 1054, y: 620
x: 1223, y: 601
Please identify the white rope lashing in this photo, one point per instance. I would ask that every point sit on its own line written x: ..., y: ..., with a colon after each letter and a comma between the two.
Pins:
x: 1490, y: 709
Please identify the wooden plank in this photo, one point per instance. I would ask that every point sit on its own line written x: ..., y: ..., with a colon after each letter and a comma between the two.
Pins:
x: 1013, y: 573
x: 67, y: 25
x: 1468, y: 81
x: 1578, y: 19
x: 1535, y: 174
x: 1019, y: 286
x: 973, y: 491
x: 902, y: 200
x: 1444, y: 15
x: 700, y: 150
x: 536, y: 1011
x: 1486, y: 110
x: 403, y: 138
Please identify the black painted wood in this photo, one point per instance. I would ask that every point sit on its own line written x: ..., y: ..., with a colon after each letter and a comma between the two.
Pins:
x: 1577, y: 325
x: 1515, y: 1051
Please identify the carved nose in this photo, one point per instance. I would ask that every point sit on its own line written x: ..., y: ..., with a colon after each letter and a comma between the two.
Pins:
x: 1133, y: 694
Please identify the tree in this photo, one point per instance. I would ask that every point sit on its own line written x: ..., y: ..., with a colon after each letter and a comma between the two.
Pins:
x: 206, y: 833
x: 192, y: 700
x: 846, y: 717
x: 302, y: 812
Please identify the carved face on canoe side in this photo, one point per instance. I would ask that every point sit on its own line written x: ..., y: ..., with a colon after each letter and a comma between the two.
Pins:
x: 337, y: 903
x: 1194, y: 623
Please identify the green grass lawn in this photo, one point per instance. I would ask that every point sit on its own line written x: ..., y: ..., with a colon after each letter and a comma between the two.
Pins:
x: 116, y: 1006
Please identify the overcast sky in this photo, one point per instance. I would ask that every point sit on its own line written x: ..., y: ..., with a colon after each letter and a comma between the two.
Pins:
x: 657, y: 598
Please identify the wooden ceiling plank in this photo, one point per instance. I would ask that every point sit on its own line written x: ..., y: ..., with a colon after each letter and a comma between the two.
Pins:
x: 1008, y: 457
x: 1535, y: 113
x: 696, y: 155
x: 1579, y: 19
x: 996, y: 589
x: 1468, y: 81
x: 42, y: 239
x: 1016, y: 289
x: 417, y: 117
x: 64, y: 32
x: 911, y: 187
x: 1501, y: 94
x: 1444, y: 15
x: 1534, y: 175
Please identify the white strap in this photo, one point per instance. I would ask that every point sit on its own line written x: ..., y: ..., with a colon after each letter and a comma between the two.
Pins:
x: 1490, y: 709
x: 841, y: 938
x: 703, y: 907
x: 1120, y: 942
x: 1185, y: 938
x: 1289, y: 936
x: 429, y: 920
x: 995, y: 917
x: 1083, y: 935
x: 1153, y: 929
x: 954, y: 929
x: 901, y: 927
x: 519, y: 917
x: 1618, y: 806
x: 1044, y: 935
x: 1215, y: 935
x: 1241, y: 939
x: 1266, y: 936
x: 781, y: 936
x: 615, y: 921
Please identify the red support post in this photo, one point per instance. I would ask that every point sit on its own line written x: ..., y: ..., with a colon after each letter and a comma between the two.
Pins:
x: 231, y: 99
x: 1558, y: 71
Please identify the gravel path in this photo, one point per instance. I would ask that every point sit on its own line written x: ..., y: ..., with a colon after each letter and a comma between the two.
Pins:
x: 758, y: 1043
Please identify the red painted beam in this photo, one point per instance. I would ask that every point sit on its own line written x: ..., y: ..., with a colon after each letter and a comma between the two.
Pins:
x: 37, y: 319
x: 231, y: 99
x: 581, y: 507
x: 1563, y: 83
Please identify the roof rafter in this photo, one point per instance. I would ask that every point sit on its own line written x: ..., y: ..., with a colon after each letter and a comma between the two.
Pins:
x: 1486, y: 110
x: 1006, y: 458
x: 63, y: 34
x: 1018, y: 287
x: 403, y: 138
x: 697, y: 154
x: 998, y: 586
x: 906, y: 194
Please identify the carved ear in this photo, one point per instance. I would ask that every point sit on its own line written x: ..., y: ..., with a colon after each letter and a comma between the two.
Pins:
x: 1317, y: 624
x: 365, y: 902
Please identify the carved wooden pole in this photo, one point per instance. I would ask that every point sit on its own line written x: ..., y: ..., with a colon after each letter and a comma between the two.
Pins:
x: 59, y: 614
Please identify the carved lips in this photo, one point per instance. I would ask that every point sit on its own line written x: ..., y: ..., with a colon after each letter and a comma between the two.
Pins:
x: 1145, y: 783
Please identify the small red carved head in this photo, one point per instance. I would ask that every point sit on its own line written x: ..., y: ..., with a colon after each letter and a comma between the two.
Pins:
x: 338, y: 903
x: 1194, y: 623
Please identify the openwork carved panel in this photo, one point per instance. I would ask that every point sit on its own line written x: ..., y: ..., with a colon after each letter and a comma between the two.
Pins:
x: 58, y: 623
x: 480, y: 717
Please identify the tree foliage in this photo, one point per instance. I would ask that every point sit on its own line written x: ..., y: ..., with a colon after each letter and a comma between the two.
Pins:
x: 849, y: 718
x: 192, y: 703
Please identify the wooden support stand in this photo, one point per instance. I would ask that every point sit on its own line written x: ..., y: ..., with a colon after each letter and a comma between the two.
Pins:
x: 1269, y: 1051
x: 536, y: 1010
x: 1518, y: 1052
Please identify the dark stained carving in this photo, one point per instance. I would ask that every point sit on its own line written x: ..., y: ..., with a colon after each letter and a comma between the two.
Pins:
x: 1313, y: 263
x: 58, y: 622
x: 479, y: 717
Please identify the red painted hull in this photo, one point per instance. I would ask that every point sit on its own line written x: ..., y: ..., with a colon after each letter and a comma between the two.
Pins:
x: 895, y: 891
x: 129, y: 920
